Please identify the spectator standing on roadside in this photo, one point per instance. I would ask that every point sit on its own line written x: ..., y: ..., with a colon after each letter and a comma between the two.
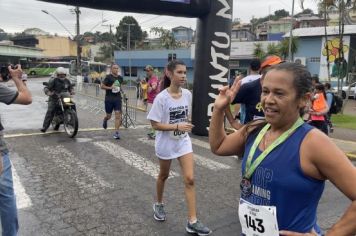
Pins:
x: 255, y: 66
x: 319, y: 109
x: 144, y: 86
x: 152, y: 91
x: 8, y: 209
x: 329, y: 100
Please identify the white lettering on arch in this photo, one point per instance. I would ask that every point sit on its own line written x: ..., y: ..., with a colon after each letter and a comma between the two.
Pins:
x: 223, y: 11
x: 222, y: 45
x: 223, y: 70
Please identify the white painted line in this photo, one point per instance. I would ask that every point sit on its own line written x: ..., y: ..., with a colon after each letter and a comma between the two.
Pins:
x: 206, y: 145
x: 200, y: 143
x: 83, y: 176
x: 201, y: 161
x: 22, y: 199
x: 132, y: 159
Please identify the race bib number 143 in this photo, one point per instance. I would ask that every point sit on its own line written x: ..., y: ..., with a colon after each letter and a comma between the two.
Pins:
x: 258, y: 220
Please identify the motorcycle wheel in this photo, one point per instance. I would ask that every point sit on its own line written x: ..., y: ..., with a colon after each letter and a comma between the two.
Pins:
x: 70, y: 122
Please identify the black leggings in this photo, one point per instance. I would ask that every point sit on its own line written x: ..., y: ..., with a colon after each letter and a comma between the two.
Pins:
x: 320, y: 124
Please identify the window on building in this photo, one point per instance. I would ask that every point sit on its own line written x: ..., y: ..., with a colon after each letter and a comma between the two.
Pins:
x: 314, y: 59
x: 172, y: 56
x: 127, y: 71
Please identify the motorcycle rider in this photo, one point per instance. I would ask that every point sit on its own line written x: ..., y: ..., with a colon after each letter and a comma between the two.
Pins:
x: 56, y: 85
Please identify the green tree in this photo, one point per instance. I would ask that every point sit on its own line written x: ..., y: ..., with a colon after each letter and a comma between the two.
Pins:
x: 3, y: 35
x: 259, y: 52
x: 281, y: 13
x: 105, y: 54
x: 136, y: 34
x: 284, y: 47
x: 273, y: 49
x: 166, y: 37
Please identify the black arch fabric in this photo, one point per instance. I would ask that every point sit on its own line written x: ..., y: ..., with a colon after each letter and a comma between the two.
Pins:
x: 192, y: 8
x: 212, y: 52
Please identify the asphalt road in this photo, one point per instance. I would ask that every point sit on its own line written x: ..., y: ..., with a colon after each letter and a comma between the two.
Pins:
x: 95, y: 185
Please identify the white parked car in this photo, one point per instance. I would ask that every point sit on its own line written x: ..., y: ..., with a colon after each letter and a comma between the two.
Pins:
x: 346, y: 92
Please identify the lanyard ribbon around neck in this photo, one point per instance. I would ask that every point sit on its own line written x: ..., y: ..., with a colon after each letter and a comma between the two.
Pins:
x: 251, y: 167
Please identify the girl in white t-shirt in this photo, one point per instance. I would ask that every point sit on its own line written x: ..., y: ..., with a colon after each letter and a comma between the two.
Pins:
x: 169, y: 116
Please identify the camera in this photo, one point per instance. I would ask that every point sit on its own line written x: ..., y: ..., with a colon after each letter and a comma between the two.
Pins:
x: 5, y: 73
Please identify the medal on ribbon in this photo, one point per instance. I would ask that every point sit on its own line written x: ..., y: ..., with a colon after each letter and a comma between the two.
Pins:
x: 245, y: 187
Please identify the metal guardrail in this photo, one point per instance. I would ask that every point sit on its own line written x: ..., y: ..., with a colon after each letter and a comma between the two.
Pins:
x: 94, y: 97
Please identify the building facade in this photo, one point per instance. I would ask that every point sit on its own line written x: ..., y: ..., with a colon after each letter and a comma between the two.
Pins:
x: 138, y: 59
x: 312, y: 48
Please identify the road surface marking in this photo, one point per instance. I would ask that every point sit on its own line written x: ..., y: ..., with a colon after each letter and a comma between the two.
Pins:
x: 132, y: 159
x: 77, y: 169
x: 22, y: 199
x: 201, y: 161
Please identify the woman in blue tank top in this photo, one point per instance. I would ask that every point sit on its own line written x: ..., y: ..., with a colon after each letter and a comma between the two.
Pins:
x: 285, y: 161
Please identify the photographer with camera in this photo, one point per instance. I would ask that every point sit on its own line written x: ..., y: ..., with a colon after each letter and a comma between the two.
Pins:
x: 56, y: 85
x: 8, y: 210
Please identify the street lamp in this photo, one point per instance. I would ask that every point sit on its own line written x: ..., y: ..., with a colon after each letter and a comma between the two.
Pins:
x: 77, y: 12
x: 46, y: 12
x: 129, y: 47
x: 291, y: 34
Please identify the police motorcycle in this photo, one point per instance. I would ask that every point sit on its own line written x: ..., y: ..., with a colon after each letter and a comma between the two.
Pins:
x: 65, y: 113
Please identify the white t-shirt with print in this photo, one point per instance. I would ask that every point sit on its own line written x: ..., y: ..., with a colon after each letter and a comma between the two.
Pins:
x: 167, y: 110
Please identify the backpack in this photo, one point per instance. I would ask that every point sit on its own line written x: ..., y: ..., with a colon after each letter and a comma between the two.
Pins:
x: 336, y: 104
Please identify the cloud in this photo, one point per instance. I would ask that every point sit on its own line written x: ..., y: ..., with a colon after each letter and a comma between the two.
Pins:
x: 18, y: 15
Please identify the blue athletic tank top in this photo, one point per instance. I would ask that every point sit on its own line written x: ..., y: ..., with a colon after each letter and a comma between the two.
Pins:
x: 279, y: 181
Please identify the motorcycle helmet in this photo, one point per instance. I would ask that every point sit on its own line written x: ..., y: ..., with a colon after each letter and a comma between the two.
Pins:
x: 61, y: 71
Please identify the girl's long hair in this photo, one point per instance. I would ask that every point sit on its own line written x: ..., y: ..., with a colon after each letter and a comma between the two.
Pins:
x: 321, y: 87
x: 171, y: 66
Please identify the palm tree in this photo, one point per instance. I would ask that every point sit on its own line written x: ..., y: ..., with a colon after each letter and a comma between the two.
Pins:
x: 284, y: 47
x: 166, y: 37
x: 258, y: 51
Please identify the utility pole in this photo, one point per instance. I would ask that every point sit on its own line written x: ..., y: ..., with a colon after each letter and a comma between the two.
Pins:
x: 112, y: 41
x: 290, y: 56
x: 129, y: 48
x: 79, y: 49
x: 111, y: 46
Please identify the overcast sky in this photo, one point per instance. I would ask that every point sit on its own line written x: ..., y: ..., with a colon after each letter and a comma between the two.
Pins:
x: 17, y: 15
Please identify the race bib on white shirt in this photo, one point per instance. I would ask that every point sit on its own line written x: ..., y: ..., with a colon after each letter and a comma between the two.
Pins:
x: 176, y: 134
x: 258, y: 220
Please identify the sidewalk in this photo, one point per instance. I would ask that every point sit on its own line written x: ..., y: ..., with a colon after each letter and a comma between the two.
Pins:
x: 348, y: 147
x: 345, y: 139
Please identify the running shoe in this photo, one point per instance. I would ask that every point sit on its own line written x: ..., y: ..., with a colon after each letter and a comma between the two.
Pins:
x: 116, y: 135
x: 105, y: 124
x: 159, y: 213
x: 197, y: 228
